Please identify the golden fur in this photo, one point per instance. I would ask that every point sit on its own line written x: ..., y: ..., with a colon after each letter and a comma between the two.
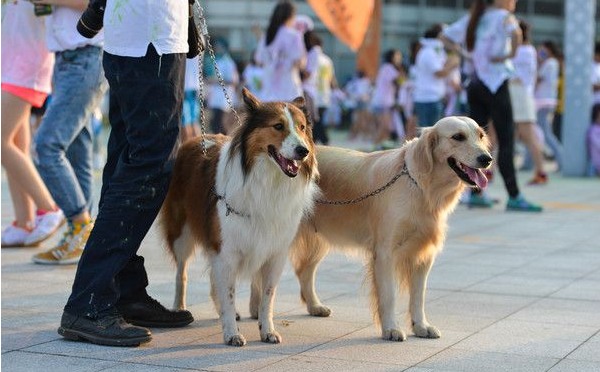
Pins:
x: 402, y: 229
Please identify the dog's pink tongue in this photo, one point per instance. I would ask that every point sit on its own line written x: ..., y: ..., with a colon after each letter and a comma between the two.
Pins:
x: 477, y: 176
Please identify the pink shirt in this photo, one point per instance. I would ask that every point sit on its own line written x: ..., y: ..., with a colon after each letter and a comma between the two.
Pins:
x: 26, y: 62
x: 385, y: 89
x: 281, y: 80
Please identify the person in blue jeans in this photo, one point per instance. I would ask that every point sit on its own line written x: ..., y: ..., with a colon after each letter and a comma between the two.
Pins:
x: 432, y: 67
x: 109, y: 304
x: 63, y: 143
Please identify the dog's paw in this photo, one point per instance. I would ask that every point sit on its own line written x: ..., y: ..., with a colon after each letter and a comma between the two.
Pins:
x: 235, y: 340
x: 321, y: 311
x: 272, y: 337
x: 426, y: 331
x: 393, y: 335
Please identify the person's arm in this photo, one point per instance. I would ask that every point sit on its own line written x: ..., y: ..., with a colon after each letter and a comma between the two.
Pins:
x: 452, y: 62
x: 74, y: 4
x: 516, y: 39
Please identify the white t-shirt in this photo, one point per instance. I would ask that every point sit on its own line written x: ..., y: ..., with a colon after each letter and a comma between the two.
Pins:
x: 492, y: 40
x: 26, y: 61
x: 595, y: 81
x: 61, y: 30
x: 130, y: 26
x: 359, y: 89
x: 191, y: 74
x: 253, y: 79
x: 320, y: 68
x: 546, y: 92
x: 430, y: 59
x: 385, y: 90
x: 216, y: 97
x: 525, y: 63
x: 281, y: 76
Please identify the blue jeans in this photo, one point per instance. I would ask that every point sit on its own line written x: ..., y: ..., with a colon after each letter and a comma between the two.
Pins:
x: 428, y: 113
x: 63, y: 142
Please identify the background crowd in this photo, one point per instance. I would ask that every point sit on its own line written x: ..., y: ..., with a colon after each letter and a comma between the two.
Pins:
x: 516, y: 92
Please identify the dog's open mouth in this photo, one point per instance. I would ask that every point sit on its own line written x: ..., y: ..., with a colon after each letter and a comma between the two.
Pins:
x: 472, y: 176
x: 289, y: 167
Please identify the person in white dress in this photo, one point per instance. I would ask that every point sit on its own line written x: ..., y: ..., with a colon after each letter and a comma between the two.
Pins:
x: 282, y: 54
x: 521, y: 89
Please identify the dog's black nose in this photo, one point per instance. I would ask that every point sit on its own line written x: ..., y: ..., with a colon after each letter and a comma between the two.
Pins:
x: 485, y: 160
x: 301, y: 151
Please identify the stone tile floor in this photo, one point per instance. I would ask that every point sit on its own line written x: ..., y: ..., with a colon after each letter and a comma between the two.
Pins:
x: 510, y: 292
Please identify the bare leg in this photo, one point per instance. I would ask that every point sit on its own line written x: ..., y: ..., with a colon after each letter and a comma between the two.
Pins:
x: 23, y: 204
x: 385, y: 288
x: 418, y: 285
x: 271, y: 273
x: 385, y: 124
x: 526, y: 132
x: 18, y: 165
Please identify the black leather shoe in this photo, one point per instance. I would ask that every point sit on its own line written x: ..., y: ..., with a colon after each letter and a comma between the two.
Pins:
x: 147, y: 312
x: 108, y: 329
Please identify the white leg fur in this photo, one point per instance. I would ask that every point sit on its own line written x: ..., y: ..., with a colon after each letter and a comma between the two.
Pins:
x: 255, y: 295
x: 418, y: 285
x: 270, y: 272
x: 386, y: 288
x: 183, y: 248
x: 223, y: 275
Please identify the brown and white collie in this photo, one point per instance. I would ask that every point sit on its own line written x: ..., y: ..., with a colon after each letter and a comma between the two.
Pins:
x: 242, y: 204
x: 401, y: 230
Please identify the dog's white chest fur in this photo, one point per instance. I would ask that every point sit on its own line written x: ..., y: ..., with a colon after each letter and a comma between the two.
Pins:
x: 272, y: 204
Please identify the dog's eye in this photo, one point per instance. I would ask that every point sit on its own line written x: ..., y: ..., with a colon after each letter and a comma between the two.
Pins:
x: 481, y: 136
x: 278, y: 126
x: 302, y: 128
x: 459, y: 137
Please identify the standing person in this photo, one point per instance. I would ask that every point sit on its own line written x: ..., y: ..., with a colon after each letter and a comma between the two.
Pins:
x: 359, y: 90
x: 521, y: 88
x: 384, y: 95
x: 282, y: 54
x: 63, y: 142
x: 486, y: 32
x: 145, y: 73
x: 191, y: 106
x: 252, y: 77
x: 26, y: 74
x: 216, y: 101
x: 546, y: 95
x: 321, y: 80
x: 596, y: 73
x: 432, y: 67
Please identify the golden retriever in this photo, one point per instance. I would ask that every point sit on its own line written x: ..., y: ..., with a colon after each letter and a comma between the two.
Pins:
x: 401, y: 229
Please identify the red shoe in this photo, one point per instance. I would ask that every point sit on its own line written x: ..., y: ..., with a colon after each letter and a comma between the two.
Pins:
x: 539, y: 179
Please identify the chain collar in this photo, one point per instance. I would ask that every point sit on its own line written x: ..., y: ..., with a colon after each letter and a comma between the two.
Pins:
x: 228, y: 207
x: 403, y: 172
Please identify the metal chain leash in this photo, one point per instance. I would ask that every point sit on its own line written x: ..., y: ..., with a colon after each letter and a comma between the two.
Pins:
x: 403, y: 172
x: 211, y: 53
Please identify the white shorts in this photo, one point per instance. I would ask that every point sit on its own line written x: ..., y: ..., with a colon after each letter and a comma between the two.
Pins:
x: 523, y: 103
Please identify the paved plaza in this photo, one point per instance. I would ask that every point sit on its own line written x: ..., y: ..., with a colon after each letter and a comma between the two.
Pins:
x: 510, y: 292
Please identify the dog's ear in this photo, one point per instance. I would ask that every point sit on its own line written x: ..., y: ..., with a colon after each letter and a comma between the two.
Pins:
x: 299, y: 102
x: 252, y: 103
x: 424, y: 149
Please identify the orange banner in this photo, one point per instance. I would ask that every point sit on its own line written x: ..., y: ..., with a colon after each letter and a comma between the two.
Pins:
x: 367, y: 57
x: 348, y: 20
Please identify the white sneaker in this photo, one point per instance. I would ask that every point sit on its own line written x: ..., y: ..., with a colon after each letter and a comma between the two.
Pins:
x: 14, y: 236
x: 45, y: 226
